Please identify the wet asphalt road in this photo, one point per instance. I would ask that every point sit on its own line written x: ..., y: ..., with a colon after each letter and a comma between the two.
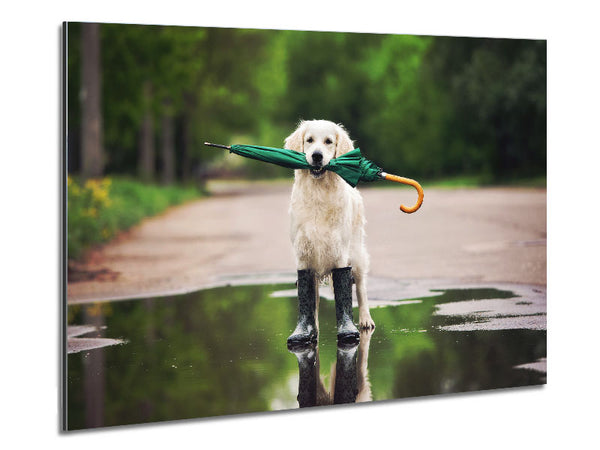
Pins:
x: 466, y: 236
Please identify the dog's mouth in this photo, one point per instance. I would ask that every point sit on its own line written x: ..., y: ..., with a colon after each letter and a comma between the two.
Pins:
x: 317, y: 172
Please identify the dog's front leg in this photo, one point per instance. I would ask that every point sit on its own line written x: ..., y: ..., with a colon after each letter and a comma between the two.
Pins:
x: 364, y: 314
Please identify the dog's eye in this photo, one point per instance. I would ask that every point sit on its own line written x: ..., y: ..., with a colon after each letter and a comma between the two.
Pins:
x: 328, y: 141
x: 309, y: 140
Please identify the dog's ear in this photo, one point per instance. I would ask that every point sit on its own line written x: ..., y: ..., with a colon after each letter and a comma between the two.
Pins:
x: 295, y: 141
x: 344, y: 143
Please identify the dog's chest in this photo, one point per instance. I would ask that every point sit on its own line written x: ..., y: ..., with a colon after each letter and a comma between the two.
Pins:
x: 318, y: 211
x: 323, y: 206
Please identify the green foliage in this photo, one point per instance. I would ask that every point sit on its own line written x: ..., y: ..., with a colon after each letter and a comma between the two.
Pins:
x: 404, y: 124
x: 420, y: 106
x: 98, y: 209
x: 497, y: 88
x: 428, y: 106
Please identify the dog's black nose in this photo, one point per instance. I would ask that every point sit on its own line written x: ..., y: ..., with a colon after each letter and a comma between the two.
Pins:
x: 317, y: 158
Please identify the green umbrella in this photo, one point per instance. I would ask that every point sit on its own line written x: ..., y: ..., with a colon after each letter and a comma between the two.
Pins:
x: 351, y: 166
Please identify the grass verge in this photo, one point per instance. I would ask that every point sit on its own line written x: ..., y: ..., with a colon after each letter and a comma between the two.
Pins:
x: 99, y: 208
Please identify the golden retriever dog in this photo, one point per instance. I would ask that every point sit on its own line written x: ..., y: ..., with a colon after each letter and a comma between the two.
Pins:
x: 327, y: 221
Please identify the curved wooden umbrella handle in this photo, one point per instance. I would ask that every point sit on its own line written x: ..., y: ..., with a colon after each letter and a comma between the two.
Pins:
x: 413, y: 183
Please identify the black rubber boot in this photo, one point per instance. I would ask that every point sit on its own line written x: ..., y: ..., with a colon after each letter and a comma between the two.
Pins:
x: 346, y: 388
x: 306, y: 329
x: 308, y: 369
x: 347, y: 333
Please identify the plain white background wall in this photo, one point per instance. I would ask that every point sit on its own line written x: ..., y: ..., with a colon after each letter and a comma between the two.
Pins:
x: 563, y: 412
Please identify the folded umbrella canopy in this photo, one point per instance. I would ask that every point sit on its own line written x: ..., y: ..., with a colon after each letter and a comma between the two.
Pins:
x: 351, y: 166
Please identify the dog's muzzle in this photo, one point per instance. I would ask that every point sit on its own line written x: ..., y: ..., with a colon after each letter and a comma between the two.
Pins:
x: 317, y: 163
x: 317, y: 172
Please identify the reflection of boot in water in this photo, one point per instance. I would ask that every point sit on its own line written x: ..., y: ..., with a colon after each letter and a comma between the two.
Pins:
x: 347, y: 333
x: 306, y: 329
x: 362, y: 372
x: 309, y: 374
x: 345, y: 387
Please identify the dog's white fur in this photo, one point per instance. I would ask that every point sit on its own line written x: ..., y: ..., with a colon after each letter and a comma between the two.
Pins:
x: 327, y: 214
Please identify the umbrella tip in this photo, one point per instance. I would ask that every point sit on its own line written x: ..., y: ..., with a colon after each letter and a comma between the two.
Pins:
x: 217, y: 145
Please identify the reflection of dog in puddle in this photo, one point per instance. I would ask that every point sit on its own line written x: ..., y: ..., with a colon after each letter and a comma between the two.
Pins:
x: 349, y: 380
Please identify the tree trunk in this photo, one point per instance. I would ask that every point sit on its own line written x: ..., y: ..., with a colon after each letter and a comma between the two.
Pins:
x: 146, y: 166
x: 92, y: 157
x: 168, y: 146
x: 186, y: 157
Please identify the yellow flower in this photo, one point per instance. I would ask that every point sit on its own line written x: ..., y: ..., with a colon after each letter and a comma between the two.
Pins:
x: 99, y: 190
x: 92, y: 183
x: 99, y: 194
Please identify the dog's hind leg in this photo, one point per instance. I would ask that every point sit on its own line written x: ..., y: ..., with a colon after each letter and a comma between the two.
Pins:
x: 347, y: 333
x: 306, y: 330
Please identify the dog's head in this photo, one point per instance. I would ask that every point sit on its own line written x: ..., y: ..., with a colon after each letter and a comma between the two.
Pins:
x: 320, y: 141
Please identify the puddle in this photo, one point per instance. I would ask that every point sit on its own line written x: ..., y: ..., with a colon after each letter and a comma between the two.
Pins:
x: 223, y: 351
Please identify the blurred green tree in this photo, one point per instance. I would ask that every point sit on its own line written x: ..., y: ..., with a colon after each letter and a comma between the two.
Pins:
x: 404, y: 120
x: 497, y: 89
x: 417, y: 105
x: 327, y: 78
